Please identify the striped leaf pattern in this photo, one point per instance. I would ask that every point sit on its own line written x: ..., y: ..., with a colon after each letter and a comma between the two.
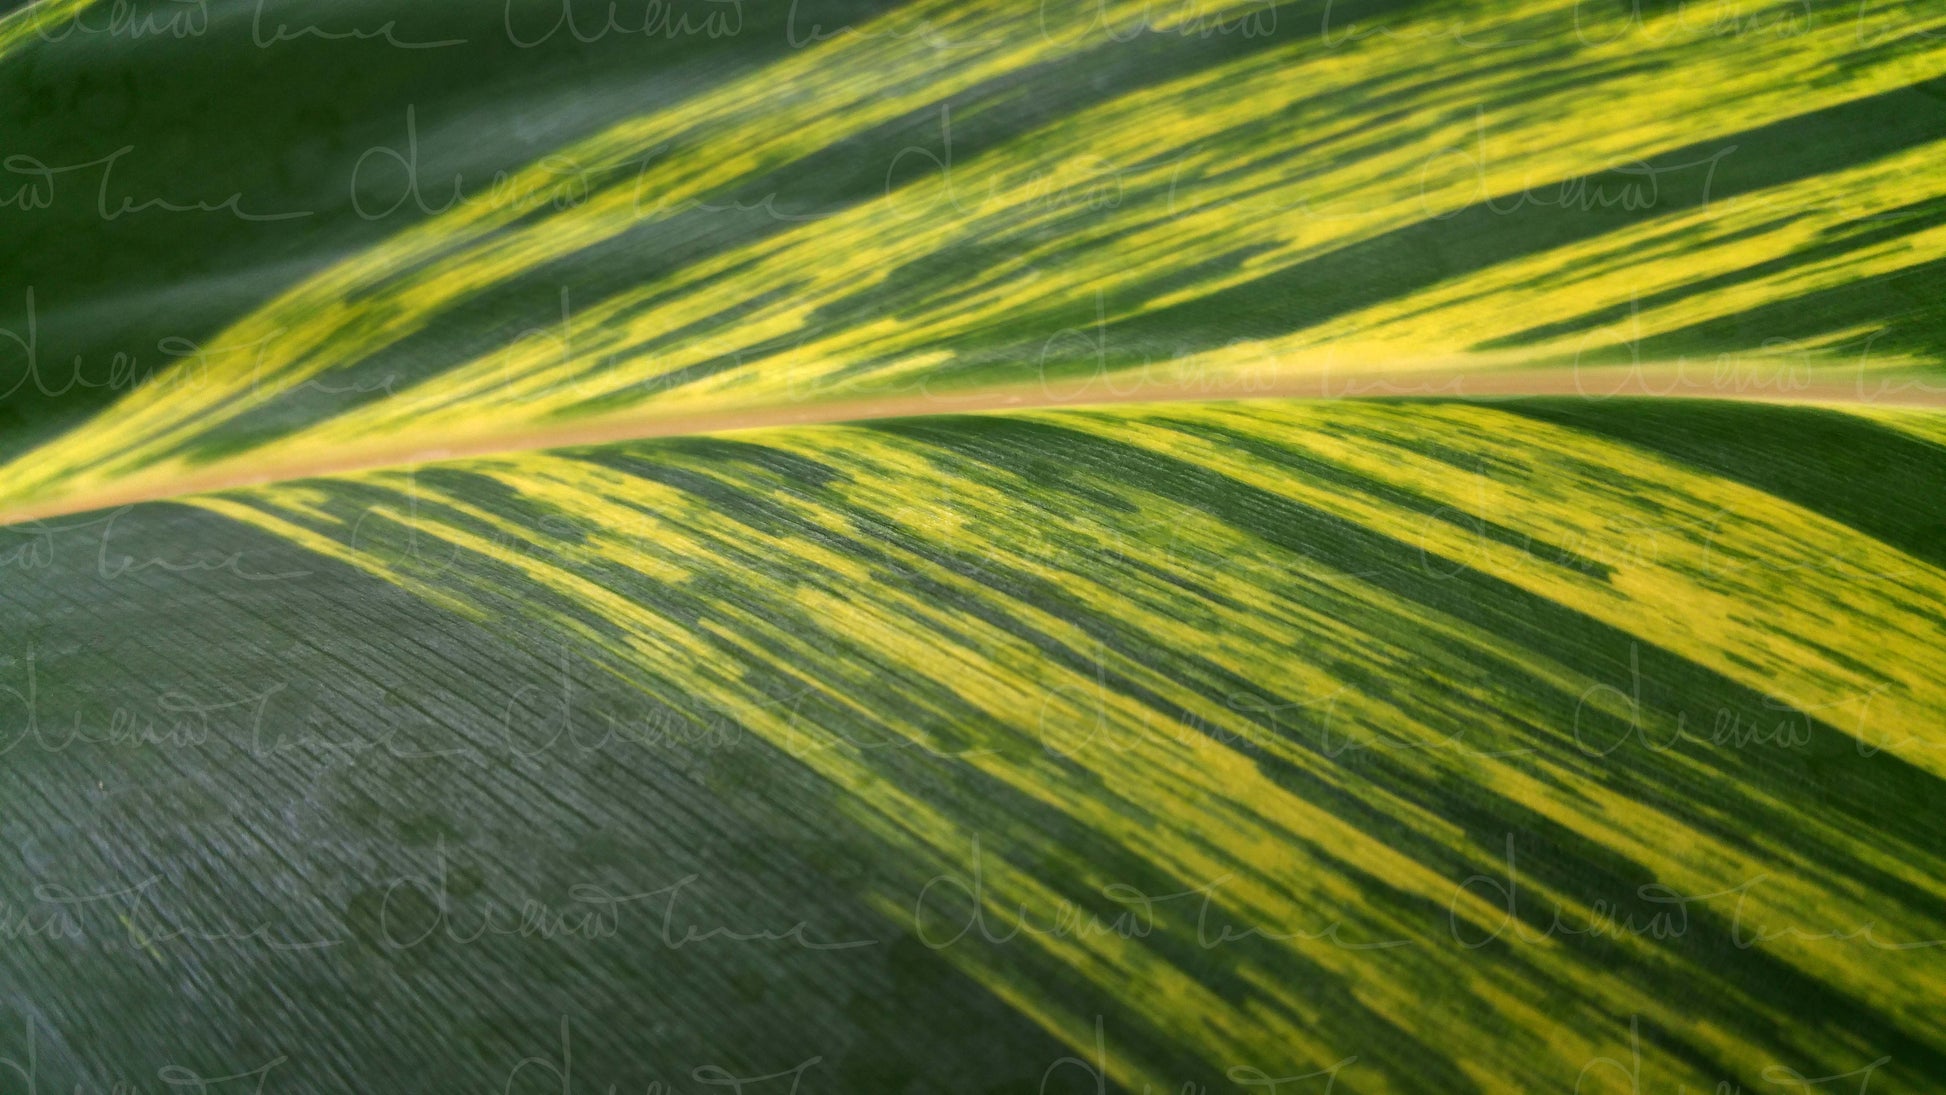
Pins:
x: 811, y: 572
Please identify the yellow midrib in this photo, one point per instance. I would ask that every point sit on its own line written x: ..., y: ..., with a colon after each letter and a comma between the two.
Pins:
x: 1423, y: 382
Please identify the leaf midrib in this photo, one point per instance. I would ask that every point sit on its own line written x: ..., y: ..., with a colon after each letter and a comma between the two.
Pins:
x: 1632, y: 382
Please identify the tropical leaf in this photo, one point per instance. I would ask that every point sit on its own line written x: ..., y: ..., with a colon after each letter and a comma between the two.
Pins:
x: 821, y: 567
